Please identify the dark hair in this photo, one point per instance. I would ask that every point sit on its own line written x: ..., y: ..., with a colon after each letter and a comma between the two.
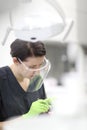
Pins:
x: 23, y: 49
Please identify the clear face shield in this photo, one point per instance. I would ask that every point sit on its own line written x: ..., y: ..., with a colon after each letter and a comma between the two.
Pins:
x: 39, y: 75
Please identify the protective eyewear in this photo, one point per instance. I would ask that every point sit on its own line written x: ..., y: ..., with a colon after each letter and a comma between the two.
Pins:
x: 44, y: 65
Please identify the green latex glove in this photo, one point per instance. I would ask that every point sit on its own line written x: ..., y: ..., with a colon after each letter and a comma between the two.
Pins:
x: 38, y: 107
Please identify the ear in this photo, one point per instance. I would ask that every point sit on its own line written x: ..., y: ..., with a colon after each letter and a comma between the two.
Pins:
x: 15, y: 60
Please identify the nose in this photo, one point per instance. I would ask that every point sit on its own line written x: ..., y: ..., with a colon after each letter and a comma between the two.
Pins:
x: 36, y: 72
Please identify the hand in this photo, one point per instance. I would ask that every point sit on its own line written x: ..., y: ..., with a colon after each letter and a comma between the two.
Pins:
x: 38, y: 107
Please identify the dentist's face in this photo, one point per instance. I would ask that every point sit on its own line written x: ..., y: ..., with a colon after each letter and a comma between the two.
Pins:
x: 31, y: 66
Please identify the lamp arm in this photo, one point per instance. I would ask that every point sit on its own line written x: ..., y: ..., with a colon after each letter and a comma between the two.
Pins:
x: 8, y: 30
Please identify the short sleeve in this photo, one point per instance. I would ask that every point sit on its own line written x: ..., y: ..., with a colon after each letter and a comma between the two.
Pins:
x: 1, y: 81
x: 0, y: 102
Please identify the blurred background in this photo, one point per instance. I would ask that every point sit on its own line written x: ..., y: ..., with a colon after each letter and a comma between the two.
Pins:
x: 66, y: 81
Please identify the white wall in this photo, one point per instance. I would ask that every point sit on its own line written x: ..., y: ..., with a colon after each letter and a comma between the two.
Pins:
x: 77, y: 10
x: 5, y: 58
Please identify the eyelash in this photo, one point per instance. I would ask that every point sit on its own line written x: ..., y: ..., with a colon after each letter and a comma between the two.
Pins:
x: 33, y: 67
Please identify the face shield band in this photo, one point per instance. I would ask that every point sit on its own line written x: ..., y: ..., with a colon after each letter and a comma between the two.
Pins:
x: 40, y: 74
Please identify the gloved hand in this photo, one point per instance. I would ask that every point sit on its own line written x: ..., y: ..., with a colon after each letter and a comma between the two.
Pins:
x: 38, y: 107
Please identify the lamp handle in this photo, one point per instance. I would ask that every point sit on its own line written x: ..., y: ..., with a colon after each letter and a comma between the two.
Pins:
x: 8, y: 30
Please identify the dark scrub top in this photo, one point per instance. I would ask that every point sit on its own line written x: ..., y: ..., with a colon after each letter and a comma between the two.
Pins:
x: 14, y: 101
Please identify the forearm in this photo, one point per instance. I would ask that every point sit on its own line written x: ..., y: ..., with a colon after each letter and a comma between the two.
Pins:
x: 3, y: 123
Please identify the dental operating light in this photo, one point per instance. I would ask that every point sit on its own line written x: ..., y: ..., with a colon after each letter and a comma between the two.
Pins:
x: 37, y: 20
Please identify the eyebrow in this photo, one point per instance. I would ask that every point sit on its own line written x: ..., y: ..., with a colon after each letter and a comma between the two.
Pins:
x: 35, y: 65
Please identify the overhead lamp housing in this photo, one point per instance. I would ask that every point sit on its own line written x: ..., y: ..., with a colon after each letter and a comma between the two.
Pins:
x: 36, y: 20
